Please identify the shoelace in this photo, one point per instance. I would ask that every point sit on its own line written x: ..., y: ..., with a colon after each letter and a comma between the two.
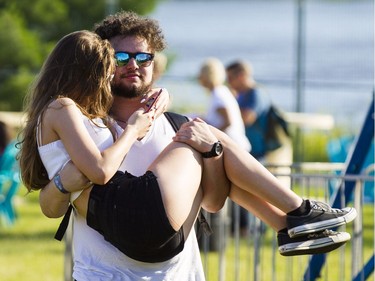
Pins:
x: 324, y: 233
x: 323, y: 207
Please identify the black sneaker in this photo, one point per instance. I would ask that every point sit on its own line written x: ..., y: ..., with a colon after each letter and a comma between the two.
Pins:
x: 320, y: 217
x: 315, y: 243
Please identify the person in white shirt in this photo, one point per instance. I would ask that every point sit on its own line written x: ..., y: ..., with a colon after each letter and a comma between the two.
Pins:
x: 223, y: 111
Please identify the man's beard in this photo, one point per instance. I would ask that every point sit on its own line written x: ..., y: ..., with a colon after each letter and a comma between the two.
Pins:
x: 130, y: 91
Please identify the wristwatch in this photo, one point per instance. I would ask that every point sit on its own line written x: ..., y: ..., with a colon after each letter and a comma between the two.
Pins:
x: 216, y: 150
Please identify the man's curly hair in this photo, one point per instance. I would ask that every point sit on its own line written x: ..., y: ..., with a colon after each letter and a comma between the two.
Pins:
x: 127, y: 23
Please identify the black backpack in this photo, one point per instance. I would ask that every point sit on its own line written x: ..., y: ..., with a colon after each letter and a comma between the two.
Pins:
x: 176, y: 120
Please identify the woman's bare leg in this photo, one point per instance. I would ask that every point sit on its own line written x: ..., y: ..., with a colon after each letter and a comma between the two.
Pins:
x: 266, y: 212
x: 179, y: 170
x: 245, y: 172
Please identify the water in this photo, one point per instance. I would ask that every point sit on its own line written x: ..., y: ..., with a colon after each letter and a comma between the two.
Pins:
x: 339, y: 73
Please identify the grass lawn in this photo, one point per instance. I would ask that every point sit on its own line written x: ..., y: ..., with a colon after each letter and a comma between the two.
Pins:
x: 29, y: 252
x: 273, y: 266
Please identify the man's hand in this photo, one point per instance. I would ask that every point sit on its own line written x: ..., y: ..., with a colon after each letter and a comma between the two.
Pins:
x: 197, y: 134
x: 158, y: 99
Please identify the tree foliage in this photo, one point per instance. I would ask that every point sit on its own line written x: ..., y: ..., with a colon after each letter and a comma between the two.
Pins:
x: 29, y: 29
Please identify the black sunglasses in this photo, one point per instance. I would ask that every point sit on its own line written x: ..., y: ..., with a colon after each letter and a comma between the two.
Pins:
x: 142, y: 59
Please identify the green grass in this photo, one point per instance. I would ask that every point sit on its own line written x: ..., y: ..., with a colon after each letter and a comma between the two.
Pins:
x: 29, y: 252
x: 338, y: 265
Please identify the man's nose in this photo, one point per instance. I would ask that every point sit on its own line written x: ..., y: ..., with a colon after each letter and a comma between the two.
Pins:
x: 132, y: 64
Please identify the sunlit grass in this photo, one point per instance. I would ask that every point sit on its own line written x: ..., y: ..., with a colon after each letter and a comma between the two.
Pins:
x: 27, y: 249
x: 273, y: 266
x: 29, y: 252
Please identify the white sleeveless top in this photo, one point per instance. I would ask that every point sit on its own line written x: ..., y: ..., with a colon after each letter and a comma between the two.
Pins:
x: 54, y: 154
x: 97, y: 260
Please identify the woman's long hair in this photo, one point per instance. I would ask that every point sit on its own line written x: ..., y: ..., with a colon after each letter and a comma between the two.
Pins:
x: 79, y: 67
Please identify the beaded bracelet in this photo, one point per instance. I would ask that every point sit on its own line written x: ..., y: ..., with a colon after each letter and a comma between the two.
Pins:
x: 59, y: 185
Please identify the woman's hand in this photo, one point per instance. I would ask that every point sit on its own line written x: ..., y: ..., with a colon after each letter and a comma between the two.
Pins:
x: 197, y: 134
x: 158, y: 99
x: 141, y: 121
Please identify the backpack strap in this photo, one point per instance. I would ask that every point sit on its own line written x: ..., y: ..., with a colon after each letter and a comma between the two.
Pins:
x: 203, y: 225
x: 176, y: 120
x: 64, y: 224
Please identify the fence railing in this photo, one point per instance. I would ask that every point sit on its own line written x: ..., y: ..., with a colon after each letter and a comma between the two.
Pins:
x: 230, y: 255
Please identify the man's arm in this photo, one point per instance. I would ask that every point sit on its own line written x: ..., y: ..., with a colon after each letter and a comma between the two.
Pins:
x: 53, y: 202
x: 249, y: 116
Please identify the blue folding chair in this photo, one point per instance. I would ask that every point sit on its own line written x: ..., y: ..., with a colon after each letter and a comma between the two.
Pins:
x: 9, y: 183
x: 338, y: 151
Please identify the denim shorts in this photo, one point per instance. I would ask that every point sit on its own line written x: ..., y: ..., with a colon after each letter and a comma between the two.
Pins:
x: 129, y: 212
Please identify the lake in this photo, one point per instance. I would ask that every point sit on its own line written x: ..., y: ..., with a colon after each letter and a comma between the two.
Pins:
x: 339, y: 52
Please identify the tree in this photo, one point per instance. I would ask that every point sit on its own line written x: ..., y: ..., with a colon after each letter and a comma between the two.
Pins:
x: 21, y: 54
x: 29, y: 29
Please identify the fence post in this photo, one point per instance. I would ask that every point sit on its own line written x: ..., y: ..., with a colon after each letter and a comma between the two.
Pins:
x: 357, y: 243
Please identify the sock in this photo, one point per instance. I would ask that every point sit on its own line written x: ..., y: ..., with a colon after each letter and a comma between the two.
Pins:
x: 301, y: 210
x: 284, y: 231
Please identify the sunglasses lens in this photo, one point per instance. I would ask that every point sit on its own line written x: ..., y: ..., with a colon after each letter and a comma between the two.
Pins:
x: 143, y: 58
x: 122, y: 58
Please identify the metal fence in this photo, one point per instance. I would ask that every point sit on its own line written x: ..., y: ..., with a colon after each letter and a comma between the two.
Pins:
x: 228, y: 255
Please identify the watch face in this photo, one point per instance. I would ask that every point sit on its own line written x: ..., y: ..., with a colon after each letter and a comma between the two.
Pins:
x: 218, y: 148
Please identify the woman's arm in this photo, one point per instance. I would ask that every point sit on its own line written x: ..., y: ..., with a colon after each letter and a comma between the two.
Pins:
x: 64, y: 121
x: 54, y: 203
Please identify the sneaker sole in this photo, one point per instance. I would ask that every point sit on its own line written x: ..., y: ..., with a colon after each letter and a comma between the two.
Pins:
x: 317, y: 246
x: 322, y: 225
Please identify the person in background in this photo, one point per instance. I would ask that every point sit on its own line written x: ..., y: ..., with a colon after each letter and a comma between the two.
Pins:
x: 255, y: 104
x: 160, y: 65
x: 224, y: 113
x: 5, y: 136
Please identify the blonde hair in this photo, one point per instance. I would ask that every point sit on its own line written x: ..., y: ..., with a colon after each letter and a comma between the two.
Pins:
x: 160, y: 65
x: 213, y: 71
x: 79, y: 67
